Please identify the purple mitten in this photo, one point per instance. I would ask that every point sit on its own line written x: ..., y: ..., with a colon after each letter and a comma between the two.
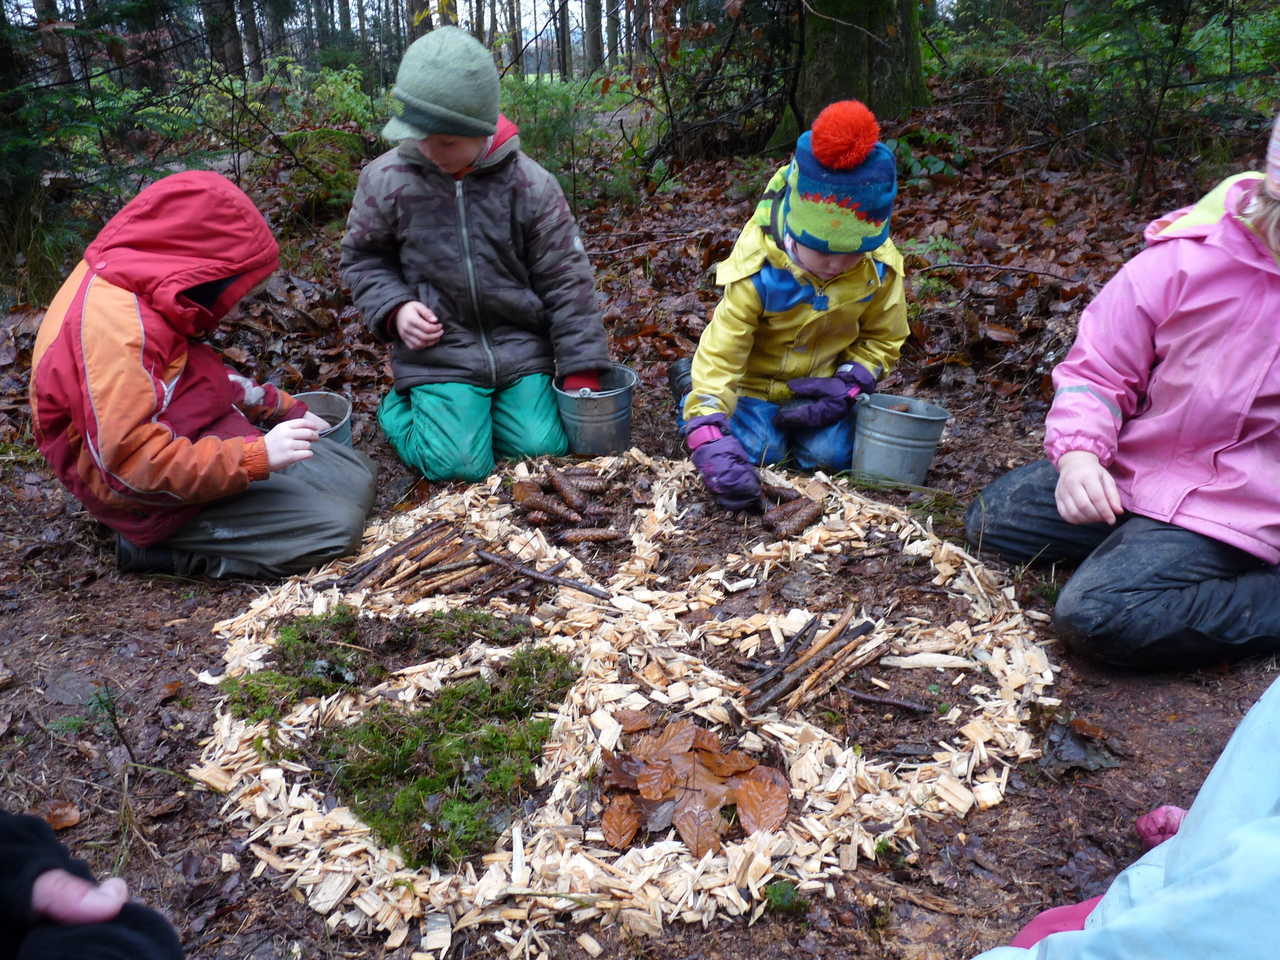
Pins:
x: 719, y: 457
x: 833, y: 397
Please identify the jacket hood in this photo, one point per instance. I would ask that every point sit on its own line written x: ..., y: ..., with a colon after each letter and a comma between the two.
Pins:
x: 1217, y: 218
x: 187, y: 229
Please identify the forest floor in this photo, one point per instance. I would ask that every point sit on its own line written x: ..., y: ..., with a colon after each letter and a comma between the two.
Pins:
x: 100, y: 711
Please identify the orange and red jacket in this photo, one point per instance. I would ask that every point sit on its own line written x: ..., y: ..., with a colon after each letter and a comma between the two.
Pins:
x: 141, y: 421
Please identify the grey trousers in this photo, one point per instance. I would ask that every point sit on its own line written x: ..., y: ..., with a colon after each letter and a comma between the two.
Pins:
x: 296, y: 519
x: 1147, y: 594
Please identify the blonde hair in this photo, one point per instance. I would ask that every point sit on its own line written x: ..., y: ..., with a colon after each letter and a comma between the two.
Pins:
x: 1262, y: 213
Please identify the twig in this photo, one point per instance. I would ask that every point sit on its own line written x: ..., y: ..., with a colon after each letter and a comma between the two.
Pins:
x: 884, y: 701
x: 533, y: 574
x: 636, y: 246
x: 802, y: 637
x: 994, y: 266
x: 821, y: 649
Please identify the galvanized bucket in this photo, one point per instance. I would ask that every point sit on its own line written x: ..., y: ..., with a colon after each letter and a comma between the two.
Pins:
x: 896, y: 444
x: 599, y: 422
x: 334, y: 409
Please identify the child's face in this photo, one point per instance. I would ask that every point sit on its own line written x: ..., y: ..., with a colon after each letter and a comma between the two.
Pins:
x: 825, y: 265
x: 452, y: 154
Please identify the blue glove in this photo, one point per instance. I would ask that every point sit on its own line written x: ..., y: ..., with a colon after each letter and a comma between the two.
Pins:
x: 832, y: 398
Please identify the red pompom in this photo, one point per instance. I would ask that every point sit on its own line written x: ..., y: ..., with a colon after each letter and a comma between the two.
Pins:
x: 844, y: 134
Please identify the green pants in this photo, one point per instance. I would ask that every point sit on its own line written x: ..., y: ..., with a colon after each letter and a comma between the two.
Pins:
x: 298, y: 518
x: 453, y: 431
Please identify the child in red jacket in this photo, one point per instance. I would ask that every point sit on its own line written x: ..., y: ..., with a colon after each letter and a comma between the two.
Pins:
x: 147, y: 427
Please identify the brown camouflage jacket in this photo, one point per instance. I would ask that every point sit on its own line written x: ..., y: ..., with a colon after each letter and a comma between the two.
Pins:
x: 496, y: 256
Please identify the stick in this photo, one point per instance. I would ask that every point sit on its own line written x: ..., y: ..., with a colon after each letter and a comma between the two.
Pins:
x: 834, y: 666
x: 533, y: 574
x: 825, y: 647
x: 427, y: 559
x: 802, y: 637
x: 885, y: 701
x: 356, y: 574
x: 519, y: 583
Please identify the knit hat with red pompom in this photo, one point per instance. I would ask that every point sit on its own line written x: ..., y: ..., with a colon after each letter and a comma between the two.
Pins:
x: 841, y: 182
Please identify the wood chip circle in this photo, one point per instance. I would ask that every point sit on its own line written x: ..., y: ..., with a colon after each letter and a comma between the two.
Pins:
x: 554, y: 866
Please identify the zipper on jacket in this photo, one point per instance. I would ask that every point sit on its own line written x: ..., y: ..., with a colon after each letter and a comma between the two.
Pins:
x: 471, y: 283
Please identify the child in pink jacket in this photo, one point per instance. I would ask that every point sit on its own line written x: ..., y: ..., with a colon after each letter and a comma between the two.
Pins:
x: 1163, y: 444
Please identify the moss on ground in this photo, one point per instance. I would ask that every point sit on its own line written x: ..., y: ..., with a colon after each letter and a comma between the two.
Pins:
x: 319, y: 655
x: 441, y: 783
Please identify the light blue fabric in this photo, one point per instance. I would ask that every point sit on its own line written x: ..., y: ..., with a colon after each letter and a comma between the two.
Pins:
x: 1211, y: 891
x: 827, y: 448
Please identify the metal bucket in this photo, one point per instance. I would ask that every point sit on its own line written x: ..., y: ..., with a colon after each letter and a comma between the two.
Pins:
x: 598, y: 422
x: 896, y: 444
x: 334, y: 409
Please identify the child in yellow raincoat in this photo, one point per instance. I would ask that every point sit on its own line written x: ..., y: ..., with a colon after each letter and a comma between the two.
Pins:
x: 813, y: 314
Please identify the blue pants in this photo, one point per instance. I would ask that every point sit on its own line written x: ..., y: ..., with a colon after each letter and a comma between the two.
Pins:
x: 827, y: 448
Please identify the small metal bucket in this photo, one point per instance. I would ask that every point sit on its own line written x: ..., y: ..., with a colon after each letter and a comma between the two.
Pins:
x: 896, y: 444
x: 334, y: 409
x: 599, y: 422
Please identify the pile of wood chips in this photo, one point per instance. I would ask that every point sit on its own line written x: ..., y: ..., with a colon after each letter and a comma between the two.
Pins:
x: 555, y: 865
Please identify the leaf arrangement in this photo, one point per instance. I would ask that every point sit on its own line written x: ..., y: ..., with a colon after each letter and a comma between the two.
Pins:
x: 682, y: 777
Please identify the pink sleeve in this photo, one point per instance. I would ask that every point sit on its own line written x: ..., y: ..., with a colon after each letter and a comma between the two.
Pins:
x: 1100, y: 383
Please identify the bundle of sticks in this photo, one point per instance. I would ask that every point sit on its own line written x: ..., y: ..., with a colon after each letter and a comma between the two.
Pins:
x: 438, y: 558
x: 811, y: 664
x: 563, y: 499
x: 787, y: 512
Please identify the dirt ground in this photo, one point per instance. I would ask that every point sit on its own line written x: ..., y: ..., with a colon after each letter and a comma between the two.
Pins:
x: 103, y: 712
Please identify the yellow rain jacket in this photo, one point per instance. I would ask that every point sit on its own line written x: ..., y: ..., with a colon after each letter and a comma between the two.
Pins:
x: 776, y: 322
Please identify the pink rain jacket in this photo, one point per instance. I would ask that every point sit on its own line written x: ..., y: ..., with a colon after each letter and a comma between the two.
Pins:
x: 1174, y: 377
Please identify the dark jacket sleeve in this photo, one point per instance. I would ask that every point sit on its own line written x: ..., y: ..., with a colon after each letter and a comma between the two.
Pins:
x: 562, y: 278
x: 370, y: 261
x: 28, y: 848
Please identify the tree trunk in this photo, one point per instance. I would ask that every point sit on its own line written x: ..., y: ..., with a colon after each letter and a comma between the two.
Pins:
x: 344, y: 22
x: 516, y: 35
x: 866, y: 49
x: 252, y: 38
x: 592, y: 41
x: 613, y: 29
x: 564, y: 40
x: 52, y: 43
x: 420, y: 18
x: 360, y: 23
x: 320, y: 11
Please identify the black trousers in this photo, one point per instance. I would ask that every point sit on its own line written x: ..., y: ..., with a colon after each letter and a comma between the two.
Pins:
x: 1147, y: 594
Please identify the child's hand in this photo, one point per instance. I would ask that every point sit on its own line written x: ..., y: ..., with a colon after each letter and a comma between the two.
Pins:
x: 289, y: 442
x: 316, y: 423
x: 1086, y: 492
x: 65, y: 898
x: 417, y: 325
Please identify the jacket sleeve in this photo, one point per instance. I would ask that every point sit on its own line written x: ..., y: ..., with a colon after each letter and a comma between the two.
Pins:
x: 264, y: 403
x: 883, y: 329
x: 561, y: 276
x: 370, y: 262
x: 138, y: 457
x: 723, y: 349
x: 1106, y: 373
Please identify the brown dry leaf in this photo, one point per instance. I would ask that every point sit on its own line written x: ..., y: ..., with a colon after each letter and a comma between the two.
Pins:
x: 623, y: 768
x: 620, y: 822
x: 708, y: 740
x: 762, y: 805
x: 657, y: 813
x: 656, y: 779
x: 676, y: 738
x: 59, y: 814
x: 633, y: 720
x: 698, y: 828
x: 728, y: 764
x: 692, y: 778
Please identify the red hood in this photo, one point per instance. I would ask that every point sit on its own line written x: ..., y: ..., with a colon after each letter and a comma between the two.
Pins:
x: 181, y: 231
x: 506, y: 130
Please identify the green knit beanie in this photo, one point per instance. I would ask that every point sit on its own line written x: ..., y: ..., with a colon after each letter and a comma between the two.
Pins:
x: 447, y: 83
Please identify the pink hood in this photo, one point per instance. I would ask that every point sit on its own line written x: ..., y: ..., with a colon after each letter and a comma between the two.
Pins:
x: 1174, y: 377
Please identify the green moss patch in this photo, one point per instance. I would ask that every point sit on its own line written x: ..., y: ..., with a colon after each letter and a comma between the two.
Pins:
x: 443, y: 782
x: 316, y: 656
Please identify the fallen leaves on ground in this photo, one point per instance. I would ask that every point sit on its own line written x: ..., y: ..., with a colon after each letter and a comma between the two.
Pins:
x: 681, y: 777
